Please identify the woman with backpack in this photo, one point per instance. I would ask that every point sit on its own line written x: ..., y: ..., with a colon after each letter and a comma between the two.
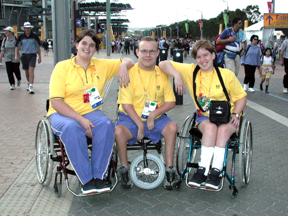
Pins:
x: 251, y: 61
x: 8, y: 52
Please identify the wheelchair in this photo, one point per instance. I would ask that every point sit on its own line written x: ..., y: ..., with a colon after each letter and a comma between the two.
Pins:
x: 240, y: 144
x: 147, y: 171
x: 49, y: 149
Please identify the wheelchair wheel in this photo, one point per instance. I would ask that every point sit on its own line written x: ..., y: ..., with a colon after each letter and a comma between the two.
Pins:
x: 245, y: 152
x: 148, y: 177
x: 184, y: 145
x: 44, y: 148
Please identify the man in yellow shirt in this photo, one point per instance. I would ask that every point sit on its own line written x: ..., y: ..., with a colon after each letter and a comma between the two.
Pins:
x: 142, y: 107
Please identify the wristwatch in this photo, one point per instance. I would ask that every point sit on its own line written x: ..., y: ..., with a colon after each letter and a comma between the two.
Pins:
x: 236, y: 114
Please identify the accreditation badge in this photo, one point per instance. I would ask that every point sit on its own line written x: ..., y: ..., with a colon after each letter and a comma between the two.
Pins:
x: 95, y: 98
x: 148, y: 107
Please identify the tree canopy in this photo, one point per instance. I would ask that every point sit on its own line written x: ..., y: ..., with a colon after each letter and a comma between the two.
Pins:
x: 211, y: 26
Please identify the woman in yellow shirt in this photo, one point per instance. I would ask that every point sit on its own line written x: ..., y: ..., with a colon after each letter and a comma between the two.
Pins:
x: 208, y: 87
x: 76, y: 94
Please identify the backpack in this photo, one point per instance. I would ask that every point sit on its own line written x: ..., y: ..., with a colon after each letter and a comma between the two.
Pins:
x: 166, y: 45
x: 220, y: 47
x: 219, y: 59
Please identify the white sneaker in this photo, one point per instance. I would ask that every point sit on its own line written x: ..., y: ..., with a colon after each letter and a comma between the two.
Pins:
x: 12, y: 87
x: 251, y: 90
x: 285, y: 90
x: 19, y: 83
x: 245, y: 87
x: 31, y: 89
x: 0, y: 64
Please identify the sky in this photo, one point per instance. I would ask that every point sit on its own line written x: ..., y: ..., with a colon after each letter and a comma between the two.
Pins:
x: 150, y: 13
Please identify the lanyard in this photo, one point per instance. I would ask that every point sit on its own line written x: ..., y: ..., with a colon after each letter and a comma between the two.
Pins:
x: 145, y: 89
x: 200, y: 77
x: 83, y: 80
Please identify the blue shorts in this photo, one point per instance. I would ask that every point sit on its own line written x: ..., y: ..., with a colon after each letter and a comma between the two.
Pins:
x: 154, y: 135
x: 203, y: 118
x: 28, y: 60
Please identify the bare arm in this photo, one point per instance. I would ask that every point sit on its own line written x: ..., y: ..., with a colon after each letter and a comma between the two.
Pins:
x: 282, y: 58
x: 39, y: 54
x: 123, y: 76
x: 16, y: 53
x: 239, y: 106
x: 129, y: 109
x: 227, y: 40
x: 168, y: 68
x: 1, y: 55
x: 64, y: 109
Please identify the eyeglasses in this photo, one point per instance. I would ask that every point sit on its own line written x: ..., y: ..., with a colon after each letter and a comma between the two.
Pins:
x: 151, y: 52
x: 255, y: 39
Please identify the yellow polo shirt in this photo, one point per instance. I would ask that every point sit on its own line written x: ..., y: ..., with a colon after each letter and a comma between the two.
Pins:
x: 209, y: 82
x: 69, y: 81
x: 156, y: 84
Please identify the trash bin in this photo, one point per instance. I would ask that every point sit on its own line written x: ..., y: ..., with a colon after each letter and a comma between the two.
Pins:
x: 163, y: 54
x: 178, y: 57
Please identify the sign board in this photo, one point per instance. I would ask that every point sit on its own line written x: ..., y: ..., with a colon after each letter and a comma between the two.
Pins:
x: 275, y: 20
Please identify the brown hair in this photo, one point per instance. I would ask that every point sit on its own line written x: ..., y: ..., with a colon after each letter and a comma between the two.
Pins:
x: 205, y: 44
x: 148, y: 38
x: 90, y: 33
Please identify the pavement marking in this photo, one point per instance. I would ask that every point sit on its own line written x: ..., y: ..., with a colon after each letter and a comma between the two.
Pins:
x: 272, y: 95
x: 267, y: 112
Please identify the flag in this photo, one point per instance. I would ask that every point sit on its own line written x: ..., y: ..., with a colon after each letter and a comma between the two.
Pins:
x: 270, y: 7
x: 225, y: 19
x: 187, y: 27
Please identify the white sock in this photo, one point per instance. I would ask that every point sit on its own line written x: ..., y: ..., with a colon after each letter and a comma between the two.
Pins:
x: 218, y: 160
x: 206, y: 156
x: 31, y: 85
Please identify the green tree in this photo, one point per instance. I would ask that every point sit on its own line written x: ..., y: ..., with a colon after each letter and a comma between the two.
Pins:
x: 253, y: 13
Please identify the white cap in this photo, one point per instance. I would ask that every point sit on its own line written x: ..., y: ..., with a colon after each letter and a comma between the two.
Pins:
x: 9, y: 28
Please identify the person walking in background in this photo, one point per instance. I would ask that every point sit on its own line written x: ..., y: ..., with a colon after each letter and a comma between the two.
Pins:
x: 127, y: 46
x: 8, y: 51
x: 251, y: 60
x: 186, y: 49
x: 29, y: 44
x: 266, y: 68
x: 46, y: 47
x: 235, y: 40
x: 172, y: 47
x: 284, y: 62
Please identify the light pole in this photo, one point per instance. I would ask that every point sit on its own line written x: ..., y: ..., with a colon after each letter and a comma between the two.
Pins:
x: 201, y: 24
x: 227, y: 13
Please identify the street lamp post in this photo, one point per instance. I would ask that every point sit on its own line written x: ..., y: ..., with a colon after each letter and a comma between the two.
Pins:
x: 201, y: 26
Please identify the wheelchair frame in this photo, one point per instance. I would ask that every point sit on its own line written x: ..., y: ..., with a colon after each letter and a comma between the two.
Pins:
x: 147, y: 171
x: 239, y: 144
x: 49, y: 149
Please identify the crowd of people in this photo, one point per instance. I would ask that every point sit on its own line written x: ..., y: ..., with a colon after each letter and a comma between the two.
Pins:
x: 77, y: 86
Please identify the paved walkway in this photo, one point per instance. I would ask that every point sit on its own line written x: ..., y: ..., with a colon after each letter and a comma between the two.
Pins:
x: 21, y: 194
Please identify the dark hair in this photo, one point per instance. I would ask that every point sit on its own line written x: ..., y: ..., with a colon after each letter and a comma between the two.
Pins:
x: 235, y: 21
x: 205, y: 44
x: 268, y: 48
x: 253, y: 36
x: 90, y: 33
